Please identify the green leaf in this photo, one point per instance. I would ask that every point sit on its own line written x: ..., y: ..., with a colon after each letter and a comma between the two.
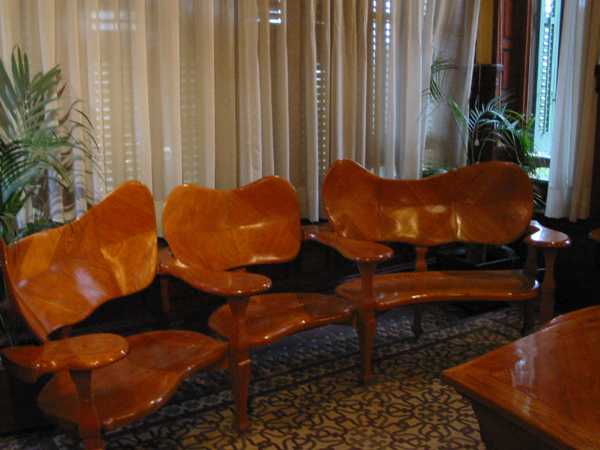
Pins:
x: 39, y: 131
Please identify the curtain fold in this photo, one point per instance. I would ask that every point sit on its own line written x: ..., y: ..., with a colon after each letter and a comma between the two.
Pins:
x: 311, y: 66
x: 572, y: 149
x: 223, y: 92
x: 374, y: 60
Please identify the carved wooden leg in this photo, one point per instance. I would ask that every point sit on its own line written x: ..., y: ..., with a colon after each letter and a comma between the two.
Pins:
x: 528, y: 322
x: 239, y: 361
x: 164, y: 293
x: 90, y: 427
x: 420, y: 266
x: 548, y: 287
x: 239, y: 367
x: 366, y: 325
x: 417, y: 326
x: 366, y: 328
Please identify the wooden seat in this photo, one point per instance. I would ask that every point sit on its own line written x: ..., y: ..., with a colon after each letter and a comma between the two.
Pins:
x: 487, y: 203
x: 213, y: 235
x: 57, y: 278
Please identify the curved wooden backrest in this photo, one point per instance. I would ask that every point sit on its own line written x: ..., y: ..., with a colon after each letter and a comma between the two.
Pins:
x: 225, y: 229
x: 58, y: 277
x: 489, y: 203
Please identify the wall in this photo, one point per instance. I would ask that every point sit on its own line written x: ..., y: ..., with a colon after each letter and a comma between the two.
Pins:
x: 485, y: 33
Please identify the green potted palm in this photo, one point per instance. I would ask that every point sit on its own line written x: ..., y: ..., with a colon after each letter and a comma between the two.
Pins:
x: 41, y: 134
x: 489, y: 131
x: 493, y: 131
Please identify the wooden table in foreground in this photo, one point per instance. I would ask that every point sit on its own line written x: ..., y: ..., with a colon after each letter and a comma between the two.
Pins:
x: 540, y: 392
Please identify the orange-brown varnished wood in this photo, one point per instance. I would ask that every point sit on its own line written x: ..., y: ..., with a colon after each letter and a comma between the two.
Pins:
x: 488, y: 203
x: 547, y: 384
x: 86, y: 352
x: 214, y: 282
x: 353, y: 249
x: 213, y: 235
x: 59, y: 277
x: 400, y: 289
x: 220, y: 230
x: 543, y: 237
x: 138, y: 384
x: 270, y: 317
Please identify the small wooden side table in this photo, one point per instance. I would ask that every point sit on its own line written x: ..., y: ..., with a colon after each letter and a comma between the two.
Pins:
x: 540, y: 392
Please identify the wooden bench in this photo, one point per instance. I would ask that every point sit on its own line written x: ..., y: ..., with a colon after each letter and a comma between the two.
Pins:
x: 59, y: 277
x: 488, y: 203
x: 214, y: 236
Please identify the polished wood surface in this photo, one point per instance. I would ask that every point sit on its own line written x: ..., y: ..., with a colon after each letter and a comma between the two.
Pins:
x: 273, y: 316
x: 79, y: 353
x: 213, y: 235
x: 353, y: 249
x: 140, y: 383
x: 545, y: 386
x: 59, y: 277
x: 594, y: 235
x: 487, y: 203
x: 220, y: 230
x: 399, y: 289
x: 214, y: 282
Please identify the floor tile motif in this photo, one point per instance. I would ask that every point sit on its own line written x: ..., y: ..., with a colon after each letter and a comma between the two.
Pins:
x: 305, y: 393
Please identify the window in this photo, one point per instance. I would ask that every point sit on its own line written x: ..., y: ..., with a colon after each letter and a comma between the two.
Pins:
x: 545, y: 93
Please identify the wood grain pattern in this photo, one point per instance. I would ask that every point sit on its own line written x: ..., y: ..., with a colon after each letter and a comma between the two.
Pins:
x: 490, y: 203
x: 138, y: 384
x: 271, y: 317
x: 79, y: 353
x: 487, y: 203
x: 59, y: 277
x: 547, y: 384
x: 220, y: 230
x: 401, y: 289
x: 213, y: 235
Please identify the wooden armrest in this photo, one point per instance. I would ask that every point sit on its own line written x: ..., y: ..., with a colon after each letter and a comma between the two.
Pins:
x: 352, y: 249
x: 222, y: 283
x: 78, y: 353
x: 545, y: 237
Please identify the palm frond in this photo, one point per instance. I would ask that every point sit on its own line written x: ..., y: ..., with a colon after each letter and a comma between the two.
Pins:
x: 39, y: 130
x: 439, y: 72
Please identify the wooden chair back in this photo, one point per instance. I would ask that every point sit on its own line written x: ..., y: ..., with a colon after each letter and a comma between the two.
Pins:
x: 487, y: 203
x: 220, y: 230
x: 212, y: 236
x: 58, y: 277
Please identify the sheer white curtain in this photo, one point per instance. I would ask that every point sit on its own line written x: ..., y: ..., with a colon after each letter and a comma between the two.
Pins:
x: 569, y: 187
x: 454, y: 39
x: 374, y: 60
x: 223, y: 92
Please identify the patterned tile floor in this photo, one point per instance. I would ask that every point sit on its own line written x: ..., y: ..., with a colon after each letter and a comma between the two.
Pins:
x: 305, y: 394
